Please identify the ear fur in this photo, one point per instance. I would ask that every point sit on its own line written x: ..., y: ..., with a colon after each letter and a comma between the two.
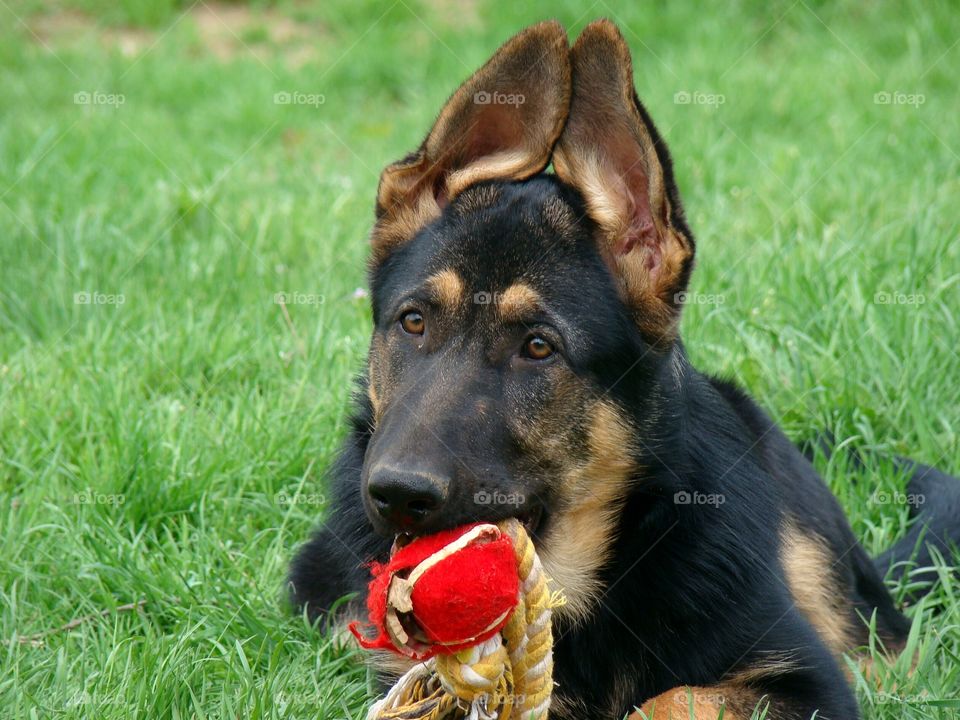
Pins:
x: 611, y: 152
x: 502, y: 123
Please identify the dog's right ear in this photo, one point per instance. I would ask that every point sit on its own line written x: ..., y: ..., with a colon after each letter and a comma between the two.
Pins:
x: 611, y: 153
x: 502, y: 123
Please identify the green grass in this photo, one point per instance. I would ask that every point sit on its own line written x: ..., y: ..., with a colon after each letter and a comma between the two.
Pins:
x: 149, y: 449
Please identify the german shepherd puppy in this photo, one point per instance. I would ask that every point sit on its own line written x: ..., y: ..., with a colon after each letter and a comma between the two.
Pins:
x: 525, y: 363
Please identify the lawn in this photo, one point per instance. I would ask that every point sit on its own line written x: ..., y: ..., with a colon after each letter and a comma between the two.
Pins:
x: 185, y: 193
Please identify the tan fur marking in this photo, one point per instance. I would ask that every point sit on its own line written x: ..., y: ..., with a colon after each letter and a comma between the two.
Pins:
x: 376, y: 360
x: 374, y: 401
x: 808, y: 565
x: 769, y: 667
x: 448, y: 289
x: 736, y: 702
x: 506, y: 164
x: 578, y: 541
x: 517, y: 302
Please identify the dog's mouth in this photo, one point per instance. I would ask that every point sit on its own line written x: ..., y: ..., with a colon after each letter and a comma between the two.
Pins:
x: 532, y: 519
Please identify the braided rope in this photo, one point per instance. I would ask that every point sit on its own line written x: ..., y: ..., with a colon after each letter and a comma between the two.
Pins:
x: 508, y: 677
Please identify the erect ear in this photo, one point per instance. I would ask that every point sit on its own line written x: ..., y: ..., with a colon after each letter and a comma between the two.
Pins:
x: 611, y: 152
x: 501, y: 123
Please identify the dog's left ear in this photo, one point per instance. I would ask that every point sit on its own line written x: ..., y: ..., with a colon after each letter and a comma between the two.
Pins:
x: 611, y: 152
x: 500, y: 124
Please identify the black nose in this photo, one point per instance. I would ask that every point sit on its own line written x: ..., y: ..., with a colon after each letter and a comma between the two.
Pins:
x: 405, y: 500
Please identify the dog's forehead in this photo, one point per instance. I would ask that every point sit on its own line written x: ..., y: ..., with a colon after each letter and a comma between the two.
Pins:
x: 541, y: 203
x: 511, y: 235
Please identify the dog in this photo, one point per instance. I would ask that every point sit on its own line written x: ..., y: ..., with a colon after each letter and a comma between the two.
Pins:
x: 525, y: 362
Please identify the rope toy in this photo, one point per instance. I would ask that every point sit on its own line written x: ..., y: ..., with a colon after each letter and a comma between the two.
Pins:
x: 472, y: 604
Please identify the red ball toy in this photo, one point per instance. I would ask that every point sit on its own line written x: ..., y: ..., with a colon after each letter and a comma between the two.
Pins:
x: 442, y: 593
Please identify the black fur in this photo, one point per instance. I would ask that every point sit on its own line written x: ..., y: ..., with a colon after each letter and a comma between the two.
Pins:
x: 936, y: 527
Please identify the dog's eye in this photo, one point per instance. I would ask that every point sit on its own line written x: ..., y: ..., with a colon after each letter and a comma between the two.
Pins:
x: 537, y: 348
x: 412, y: 323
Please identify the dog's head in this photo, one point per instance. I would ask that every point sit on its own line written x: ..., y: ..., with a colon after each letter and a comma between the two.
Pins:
x: 524, y: 320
